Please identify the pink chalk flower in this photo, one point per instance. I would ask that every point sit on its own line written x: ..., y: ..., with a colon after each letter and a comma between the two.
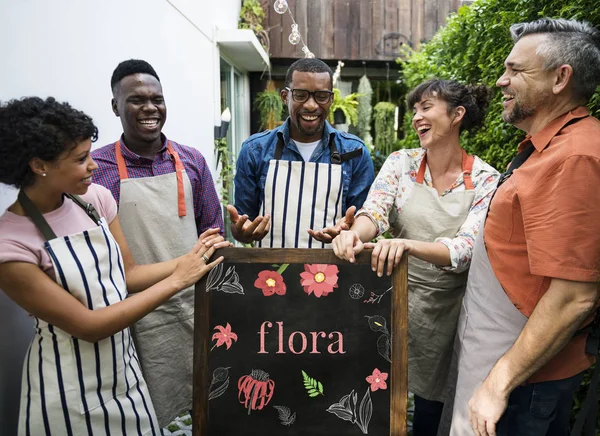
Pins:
x: 377, y: 380
x: 224, y: 336
x: 270, y: 282
x: 319, y: 278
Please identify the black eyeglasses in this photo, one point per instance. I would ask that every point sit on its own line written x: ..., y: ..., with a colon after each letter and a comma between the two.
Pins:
x: 302, y: 95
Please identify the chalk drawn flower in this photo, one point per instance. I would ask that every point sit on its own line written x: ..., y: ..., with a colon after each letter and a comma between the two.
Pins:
x: 255, y: 390
x: 224, y: 336
x: 319, y: 279
x: 270, y: 282
x: 377, y: 380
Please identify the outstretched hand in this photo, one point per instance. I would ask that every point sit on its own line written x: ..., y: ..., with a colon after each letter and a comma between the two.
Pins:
x: 327, y: 234
x: 245, y: 230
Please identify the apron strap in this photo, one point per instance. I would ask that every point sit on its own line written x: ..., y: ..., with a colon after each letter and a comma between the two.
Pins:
x: 467, y: 168
x: 36, y: 216
x: 123, y: 175
x: 336, y: 157
x: 40, y: 222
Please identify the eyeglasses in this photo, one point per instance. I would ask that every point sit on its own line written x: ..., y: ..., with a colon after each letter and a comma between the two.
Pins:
x: 302, y: 95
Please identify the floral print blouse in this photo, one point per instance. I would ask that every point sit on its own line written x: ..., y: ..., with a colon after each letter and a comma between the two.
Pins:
x: 393, y: 186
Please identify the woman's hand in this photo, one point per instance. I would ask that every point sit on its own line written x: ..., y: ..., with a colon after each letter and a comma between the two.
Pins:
x: 388, y: 251
x: 194, y: 265
x: 347, y: 245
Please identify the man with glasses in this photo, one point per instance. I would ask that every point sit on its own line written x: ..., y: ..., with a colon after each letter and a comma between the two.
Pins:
x: 303, y: 175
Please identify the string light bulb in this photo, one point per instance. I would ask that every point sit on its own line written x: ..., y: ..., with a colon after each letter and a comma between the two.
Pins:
x: 307, y: 53
x: 280, y: 6
x: 295, y: 35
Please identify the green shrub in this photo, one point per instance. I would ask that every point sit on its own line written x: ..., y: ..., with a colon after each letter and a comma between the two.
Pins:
x: 385, y: 135
x: 471, y: 49
x: 365, y: 109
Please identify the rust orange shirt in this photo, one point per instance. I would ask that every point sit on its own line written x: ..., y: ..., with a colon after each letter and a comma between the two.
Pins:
x: 544, y: 223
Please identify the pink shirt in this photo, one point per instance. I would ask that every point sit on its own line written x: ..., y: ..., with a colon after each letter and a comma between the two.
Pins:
x: 21, y: 241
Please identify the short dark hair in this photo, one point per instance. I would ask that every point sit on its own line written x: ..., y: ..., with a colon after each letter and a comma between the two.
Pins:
x: 32, y: 127
x: 575, y: 43
x: 129, y: 67
x: 474, y: 98
x: 308, y: 65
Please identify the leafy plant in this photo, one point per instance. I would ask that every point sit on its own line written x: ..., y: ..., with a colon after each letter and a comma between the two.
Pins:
x: 385, y: 135
x: 348, y: 105
x: 312, y: 386
x: 270, y: 107
x: 365, y: 109
x: 251, y: 17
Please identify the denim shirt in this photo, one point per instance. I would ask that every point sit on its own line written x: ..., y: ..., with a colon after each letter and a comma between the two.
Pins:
x: 253, y: 164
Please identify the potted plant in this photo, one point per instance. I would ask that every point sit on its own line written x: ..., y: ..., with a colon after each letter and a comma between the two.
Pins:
x: 270, y: 107
x: 343, y: 106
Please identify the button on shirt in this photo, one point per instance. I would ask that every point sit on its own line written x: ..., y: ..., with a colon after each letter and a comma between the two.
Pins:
x: 207, y: 208
x: 253, y: 164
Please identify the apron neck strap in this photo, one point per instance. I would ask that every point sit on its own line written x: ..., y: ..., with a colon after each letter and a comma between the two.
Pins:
x: 40, y: 222
x: 181, y: 207
x: 336, y: 158
x: 467, y: 168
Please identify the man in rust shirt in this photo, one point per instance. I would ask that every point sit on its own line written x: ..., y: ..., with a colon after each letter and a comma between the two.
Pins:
x: 535, y: 269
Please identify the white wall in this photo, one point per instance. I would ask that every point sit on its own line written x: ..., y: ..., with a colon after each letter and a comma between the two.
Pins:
x: 68, y: 49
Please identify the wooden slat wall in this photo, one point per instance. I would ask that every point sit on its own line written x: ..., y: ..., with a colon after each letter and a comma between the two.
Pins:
x: 355, y: 29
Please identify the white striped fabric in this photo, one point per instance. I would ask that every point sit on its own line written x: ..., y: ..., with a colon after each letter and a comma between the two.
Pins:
x: 301, y: 196
x: 73, y: 387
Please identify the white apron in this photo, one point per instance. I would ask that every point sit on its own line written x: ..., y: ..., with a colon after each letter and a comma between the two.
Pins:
x: 488, y: 326
x: 301, y: 196
x: 434, y: 295
x: 157, y: 216
x: 72, y: 387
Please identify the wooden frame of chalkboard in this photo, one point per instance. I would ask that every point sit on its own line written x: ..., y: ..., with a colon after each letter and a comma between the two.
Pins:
x: 398, y: 327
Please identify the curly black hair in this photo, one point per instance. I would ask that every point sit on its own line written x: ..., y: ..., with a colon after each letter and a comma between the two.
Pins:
x: 474, y: 98
x: 129, y: 67
x: 32, y: 127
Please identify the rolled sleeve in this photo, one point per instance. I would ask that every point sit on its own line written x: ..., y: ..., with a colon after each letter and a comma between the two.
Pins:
x: 382, y: 195
x: 361, y: 181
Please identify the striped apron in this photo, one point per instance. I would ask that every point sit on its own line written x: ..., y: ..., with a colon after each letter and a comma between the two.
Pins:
x: 302, y: 195
x: 70, y: 386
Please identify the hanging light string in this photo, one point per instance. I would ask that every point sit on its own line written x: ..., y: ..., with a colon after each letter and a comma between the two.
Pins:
x: 281, y: 7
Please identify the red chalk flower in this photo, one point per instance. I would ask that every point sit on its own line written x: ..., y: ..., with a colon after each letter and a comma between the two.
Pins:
x: 377, y: 380
x: 224, y: 336
x: 270, y: 282
x: 319, y: 278
x: 255, y: 390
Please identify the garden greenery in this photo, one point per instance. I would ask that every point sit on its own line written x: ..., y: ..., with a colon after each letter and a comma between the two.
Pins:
x: 471, y: 49
x: 365, y: 109
x: 385, y: 135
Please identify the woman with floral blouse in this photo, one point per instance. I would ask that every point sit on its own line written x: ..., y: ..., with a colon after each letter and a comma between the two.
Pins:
x: 433, y: 200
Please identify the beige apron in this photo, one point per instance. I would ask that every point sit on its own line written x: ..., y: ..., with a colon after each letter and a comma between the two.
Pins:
x: 157, y: 216
x: 488, y: 326
x: 434, y: 295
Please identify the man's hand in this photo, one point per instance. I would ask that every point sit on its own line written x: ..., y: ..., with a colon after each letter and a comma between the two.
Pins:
x: 327, y: 234
x: 247, y: 231
x: 486, y: 407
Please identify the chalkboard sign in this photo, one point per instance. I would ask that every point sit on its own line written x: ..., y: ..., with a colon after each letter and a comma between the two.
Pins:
x: 297, y: 342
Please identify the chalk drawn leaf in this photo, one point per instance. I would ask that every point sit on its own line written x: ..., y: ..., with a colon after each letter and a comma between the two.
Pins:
x: 218, y: 391
x: 214, y: 277
x: 285, y: 415
x: 345, y: 408
x: 365, y: 411
x: 384, y: 347
x: 312, y: 386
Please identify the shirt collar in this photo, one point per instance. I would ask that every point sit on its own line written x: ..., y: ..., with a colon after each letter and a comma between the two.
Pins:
x: 128, y: 154
x: 328, y: 133
x: 542, y: 138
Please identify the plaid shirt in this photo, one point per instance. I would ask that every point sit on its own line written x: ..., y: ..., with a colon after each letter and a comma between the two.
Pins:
x: 207, y: 208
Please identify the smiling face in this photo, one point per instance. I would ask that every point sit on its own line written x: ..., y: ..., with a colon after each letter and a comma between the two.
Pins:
x: 526, y: 87
x: 433, y: 123
x: 308, y: 118
x: 71, y: 172
x: 140, y: 104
